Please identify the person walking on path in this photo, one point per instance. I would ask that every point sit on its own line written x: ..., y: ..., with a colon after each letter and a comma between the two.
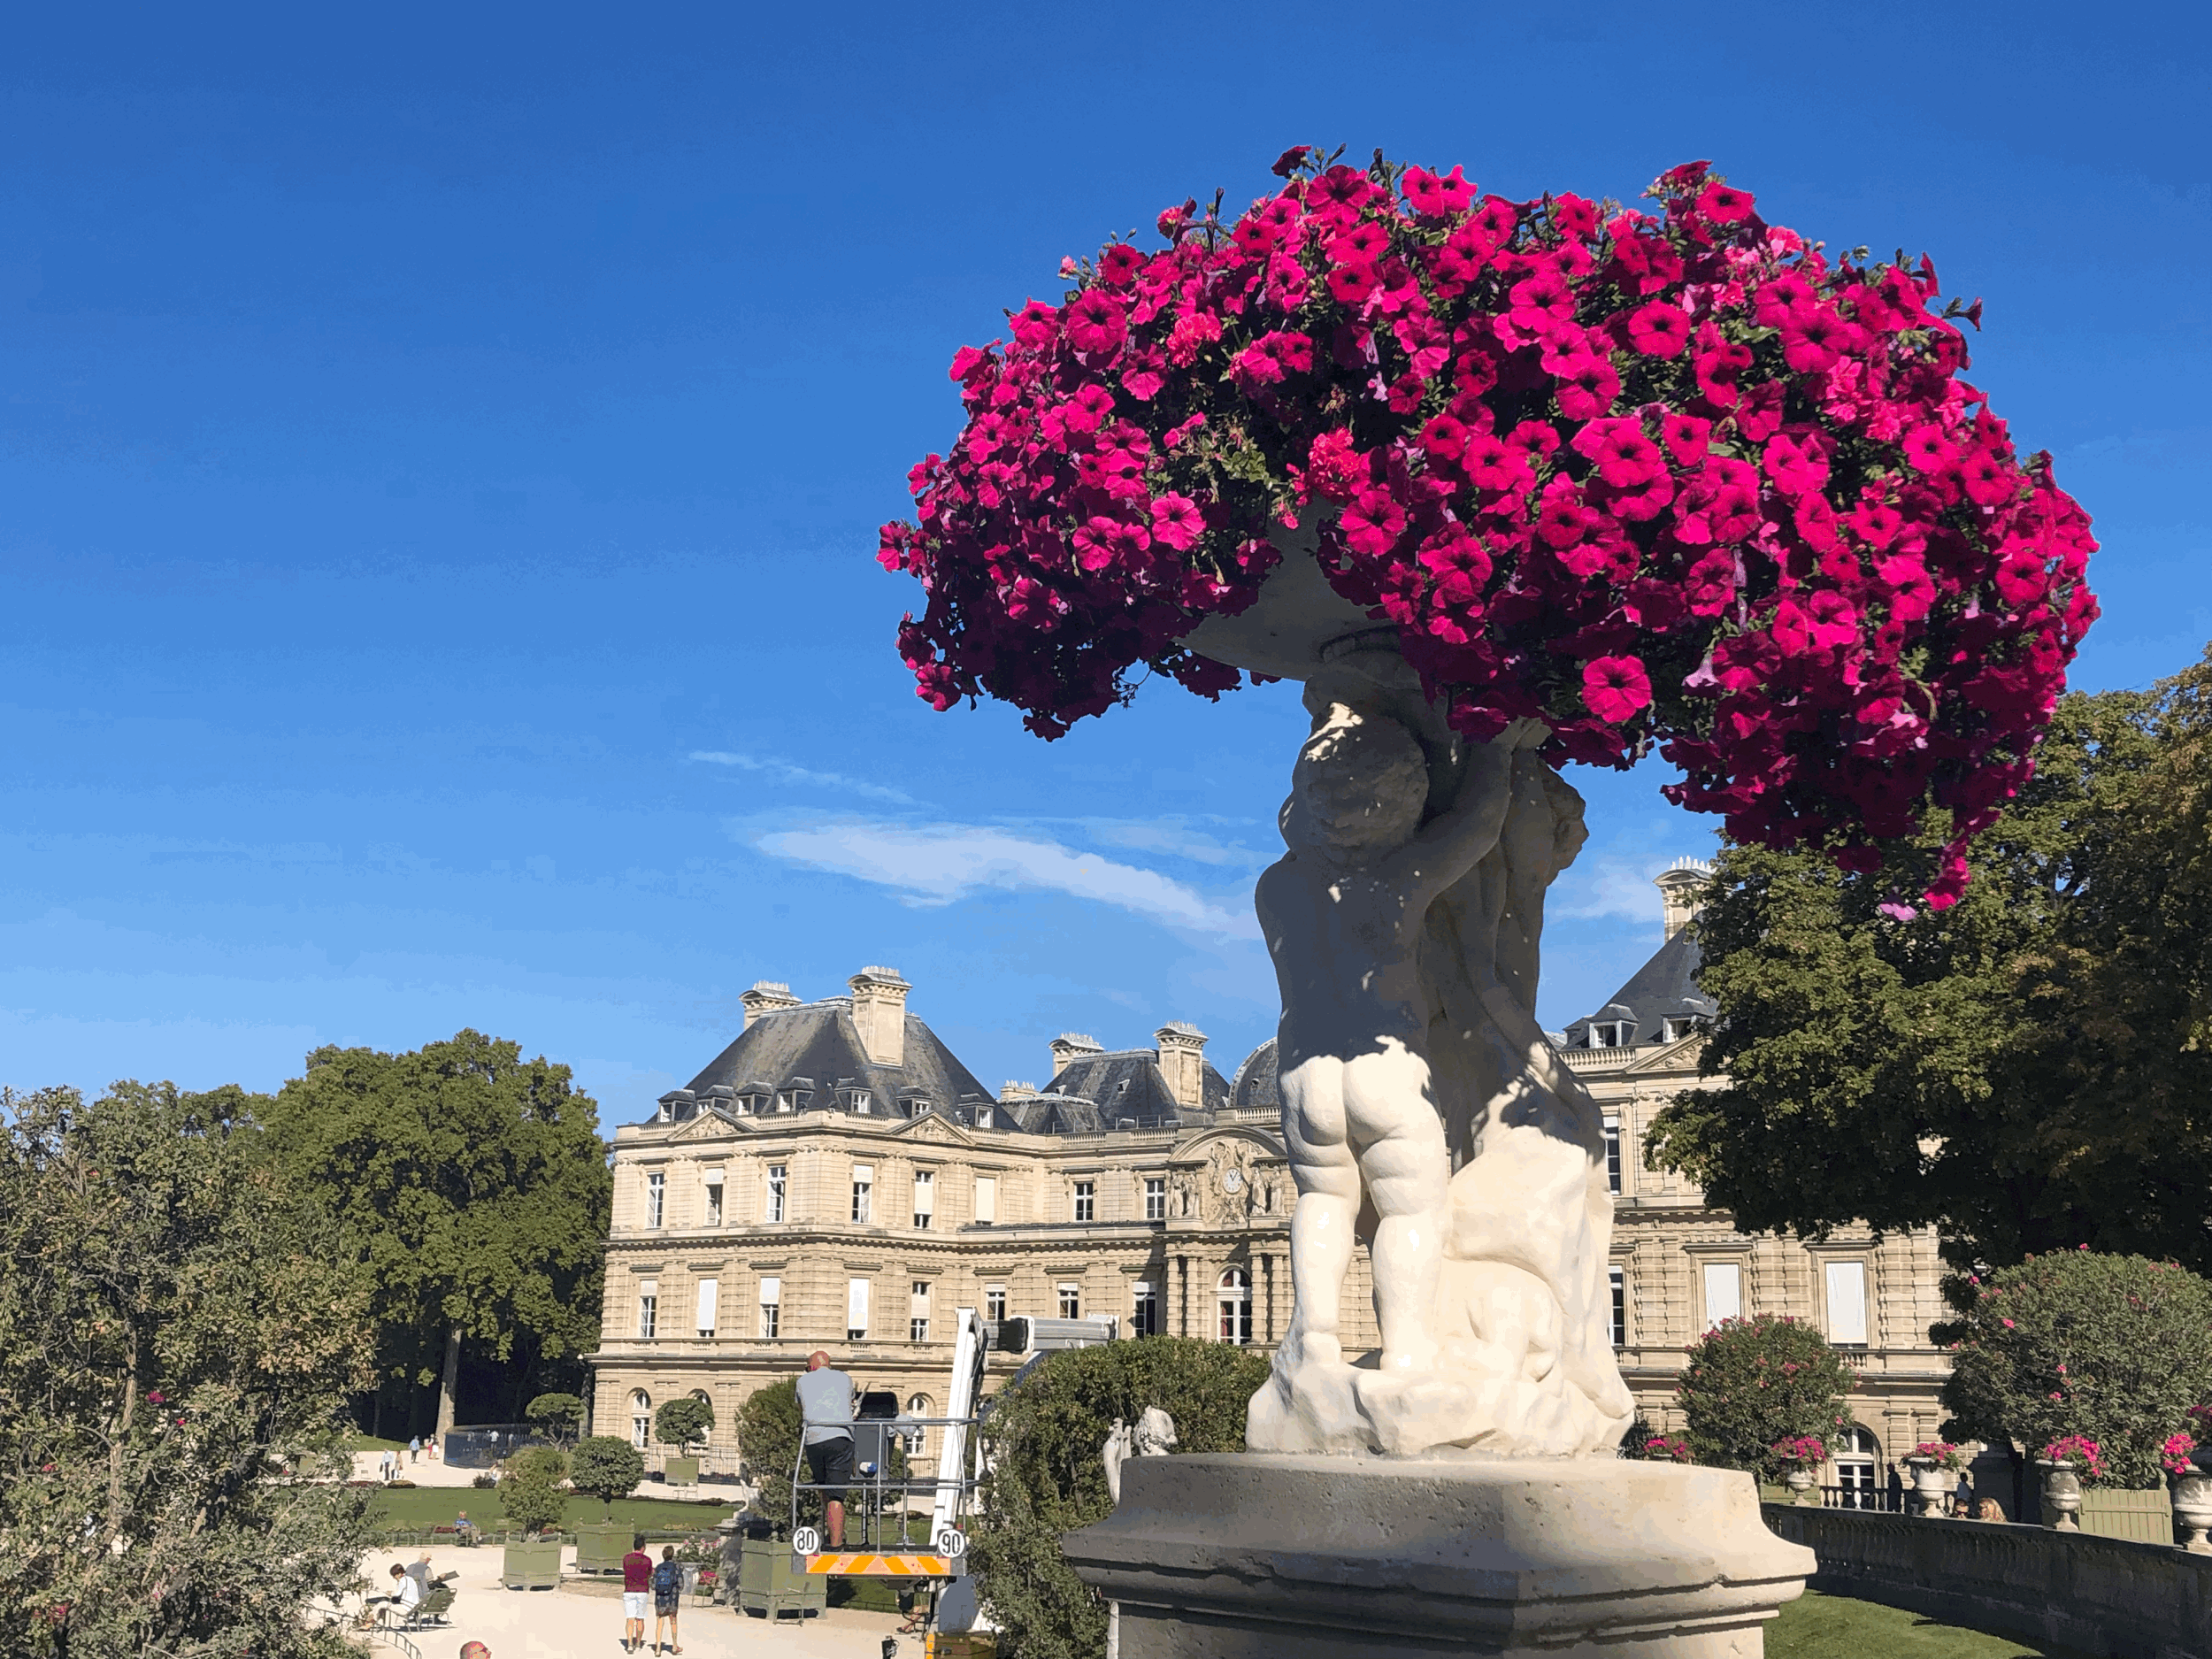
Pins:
x: 637, y: 1591
x: 414, y: 1449
x: 668, y: 1597
x: 825, y: 1404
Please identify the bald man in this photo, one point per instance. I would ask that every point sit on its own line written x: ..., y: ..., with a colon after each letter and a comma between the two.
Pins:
x: 475, y: 1650
x: 826, y: 1402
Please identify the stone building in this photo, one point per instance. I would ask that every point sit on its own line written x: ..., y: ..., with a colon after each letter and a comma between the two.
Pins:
x: 837, y: 1179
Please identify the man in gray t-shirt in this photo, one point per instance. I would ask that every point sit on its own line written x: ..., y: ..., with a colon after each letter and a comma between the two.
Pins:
x: 825, y: 1404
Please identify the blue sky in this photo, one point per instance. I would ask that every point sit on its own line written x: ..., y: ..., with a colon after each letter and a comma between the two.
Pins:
x: 440, y: 453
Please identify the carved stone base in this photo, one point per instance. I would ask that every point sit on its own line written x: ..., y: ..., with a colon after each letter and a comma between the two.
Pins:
x: 1253, y: 1556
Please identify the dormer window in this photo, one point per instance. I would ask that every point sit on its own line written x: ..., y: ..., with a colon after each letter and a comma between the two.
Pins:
x: 1612, y: 1034
x: 861, y: 1098
x: 1677, y: 1029
x: 983, y: 1117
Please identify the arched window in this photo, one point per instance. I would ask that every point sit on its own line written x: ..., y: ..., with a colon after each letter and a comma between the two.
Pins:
x: 1858, y: 1460
x: 706, y: 1400
x: 1234, y: 1298
x: 640, y: 1418
x: 917, y: 1440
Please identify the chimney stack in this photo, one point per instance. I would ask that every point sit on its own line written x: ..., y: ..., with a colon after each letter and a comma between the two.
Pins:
x: 1680, y: 886
x: 879, y: 1014
x: 1013, y: 1090
x: 767, y: 996
x: 1183, y: 1061
x: 1067, y: 1046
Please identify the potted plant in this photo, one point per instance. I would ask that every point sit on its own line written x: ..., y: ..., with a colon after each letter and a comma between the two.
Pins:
x: 682, y: 1423
x: 1801, y: 1459
x: 1664, y: 1448
x: 2062, y: 1463
x: 1931, y: 1462
x: 532, y: 1495
x: 606, y: 1467
x: 771, y: 1579
x: 2186, y: 1460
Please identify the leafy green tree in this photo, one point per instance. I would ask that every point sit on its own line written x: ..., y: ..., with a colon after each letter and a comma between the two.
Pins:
x: 174, y: 1340
x: 2115, y: 1348
x: 530, y: 1489
x: 473, y: 1187
x: 1749, y: 1383
x: 768, y: 1428
x: 683, y: 1420
x: 1045, y: 1433
x: 606, y: 1467
x: 556, y: 1414
x: 2025, y: 1070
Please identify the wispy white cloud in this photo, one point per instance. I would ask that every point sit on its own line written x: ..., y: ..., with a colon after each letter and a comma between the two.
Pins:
x: 1610, y: 885
x: 1174, y: 836
x: 937, y: 863
x: 784, y: 772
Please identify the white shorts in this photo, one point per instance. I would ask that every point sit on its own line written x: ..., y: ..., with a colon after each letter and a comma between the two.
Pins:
x: 637, y: 1603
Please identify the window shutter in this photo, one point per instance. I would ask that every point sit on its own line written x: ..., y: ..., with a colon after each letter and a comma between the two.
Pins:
x: 987, y: 1198
x: 856, y: 1304
x: 1723, y: 1293
x: 710, y: 1295
x: 1847, y: 1301
x: 770, y: 1292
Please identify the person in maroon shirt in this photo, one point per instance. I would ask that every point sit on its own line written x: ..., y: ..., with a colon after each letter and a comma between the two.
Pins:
x: 637, y: 1594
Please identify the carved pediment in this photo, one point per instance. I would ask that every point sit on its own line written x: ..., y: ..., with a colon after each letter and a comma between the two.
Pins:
x: 932, y: 1130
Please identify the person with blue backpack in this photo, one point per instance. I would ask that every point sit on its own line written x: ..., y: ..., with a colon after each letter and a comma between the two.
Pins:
x: 668, y: 1596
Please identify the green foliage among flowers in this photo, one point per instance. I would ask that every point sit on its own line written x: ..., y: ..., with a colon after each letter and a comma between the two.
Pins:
x: 2175, y: 1456
x: 2107, y: 1350
x: 1942, y: 1453
x: 1803, y: 1452
x: 1680, y: 481
x: 1750, y: 1384
x: 1667, y: 1448
x: 1044, y: 1435
x: 2074, y: 1448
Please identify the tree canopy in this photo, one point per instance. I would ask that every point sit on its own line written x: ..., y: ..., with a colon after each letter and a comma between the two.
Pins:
x: 606, y: 1467
x: 1749, y: 1384
x: 175, y: 1342
x: 2025, y: 1070
x: 472, y: 1186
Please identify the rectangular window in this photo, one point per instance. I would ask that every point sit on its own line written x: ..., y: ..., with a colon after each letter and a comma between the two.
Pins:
x: 1070, y: 1302
x: 985, y: 1199
x: 655, y: 1198
x: 770, y: 1308
x: 855, y: 1309
x: 1723, y: 1293
x: 1612, y: 1152
x: 649, y: 1301
x: 995, y: 1303
x: 1086, y: 1201
x: 861, y: 1099
x: 1617, y: 1279
x: 917, y: 1311
x: 710, y: 1298
x: 779, y: 1180
x: 863, y: 1191
x: 714, y: 1198
x: 1846, y: 1303
x: 1144, y: 1312
x: 924, y: 1197
x: 1156, y: 1198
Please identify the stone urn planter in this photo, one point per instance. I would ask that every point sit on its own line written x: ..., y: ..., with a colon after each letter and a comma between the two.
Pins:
x: 1800, y: 1482
x: 2192, y: 1504
x: 1929, y: 1487
x: 2061, y: 1493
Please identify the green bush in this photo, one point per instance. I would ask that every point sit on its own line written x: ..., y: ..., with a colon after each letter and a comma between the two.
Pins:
x: 768, y: 1429
x: 1752, y: 1382
x: 682, y: 1420
x: 1044, y: 1435
x: 606, y: 1467
x: 2115, y: 1349
x: 530, y: 1489
x: 558, y: 1414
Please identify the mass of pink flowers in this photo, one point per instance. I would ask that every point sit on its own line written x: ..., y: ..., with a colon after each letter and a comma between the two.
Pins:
x: 1662, y: 1448
x: 1804, y: 1451
x: 2176, y: 1453
x: 1676, y: 479
x: 2074, y: 1448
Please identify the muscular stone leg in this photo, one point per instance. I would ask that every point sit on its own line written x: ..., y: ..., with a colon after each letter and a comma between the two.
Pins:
x: 1407, y: 1169
x: 1321, y: 1223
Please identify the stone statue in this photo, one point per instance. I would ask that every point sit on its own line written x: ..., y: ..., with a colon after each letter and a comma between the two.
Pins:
x: 1154, y: 1436
x: 1424, y: 1109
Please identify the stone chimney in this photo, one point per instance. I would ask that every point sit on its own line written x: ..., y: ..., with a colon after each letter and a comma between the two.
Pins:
x: 1067, y: 1046
x: 767, y: 996
x: 1183, y: 1061
x: 1012, y: 1090
x: 1680, y: 885
x: 879, y: 1014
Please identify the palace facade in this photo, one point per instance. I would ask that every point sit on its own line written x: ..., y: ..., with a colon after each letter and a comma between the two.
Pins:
x: 837, y: 1179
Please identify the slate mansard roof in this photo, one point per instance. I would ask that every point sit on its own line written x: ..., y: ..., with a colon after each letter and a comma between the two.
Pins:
x: 1100, y: 1092
x: 1665, y: 987
x: 814, y: 1051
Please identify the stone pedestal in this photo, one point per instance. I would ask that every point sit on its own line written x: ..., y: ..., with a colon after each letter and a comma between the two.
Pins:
x: 1254, y: 1556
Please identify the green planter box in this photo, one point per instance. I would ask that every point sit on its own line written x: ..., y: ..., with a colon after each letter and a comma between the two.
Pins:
x: 681, y: 1471
x: 2145, y: 1517
x: 532, y: 1566
x: 600, y: 1546
x: 769, y: 1581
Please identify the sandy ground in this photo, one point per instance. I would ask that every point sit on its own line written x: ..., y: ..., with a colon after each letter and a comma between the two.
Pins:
x: 566, y: 1623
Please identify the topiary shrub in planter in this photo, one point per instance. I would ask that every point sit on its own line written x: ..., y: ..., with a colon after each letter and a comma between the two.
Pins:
x: 768, y: 1426
x: 2110, y: 1348
x: 1044, y: 1435
x: 1751, y: 1384
x: 531, y: 1492
x: 606, y: 1467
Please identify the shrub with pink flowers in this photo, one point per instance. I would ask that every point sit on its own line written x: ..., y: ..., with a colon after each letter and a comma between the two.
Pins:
x: 1803, y: 1452
x: 1676, y: 479
x: 1749, y: 1386
x: 2175, y: 1455
x: 1666, y: 1449
x: 2072, y: 1448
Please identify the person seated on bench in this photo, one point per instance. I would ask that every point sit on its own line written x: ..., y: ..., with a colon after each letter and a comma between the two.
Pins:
x: 465, y: 1531
x: 406, y: 1595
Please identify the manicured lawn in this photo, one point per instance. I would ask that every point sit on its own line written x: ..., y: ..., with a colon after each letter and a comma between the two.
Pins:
x: 369, y: 1443
x: 419, y: 1508
x: 1817, y: 1626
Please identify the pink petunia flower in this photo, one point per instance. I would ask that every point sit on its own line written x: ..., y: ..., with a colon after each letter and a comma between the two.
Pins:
x: 1096, y: 322
x: 1177, y: 522
x: 1659, y: 330
x: 1435, y: 197
x: 1615, y: 688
